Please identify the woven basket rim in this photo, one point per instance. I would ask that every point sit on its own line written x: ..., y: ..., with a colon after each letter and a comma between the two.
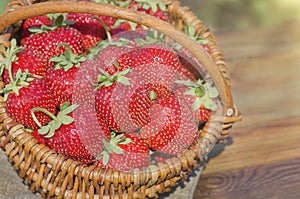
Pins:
x: 148, y: 177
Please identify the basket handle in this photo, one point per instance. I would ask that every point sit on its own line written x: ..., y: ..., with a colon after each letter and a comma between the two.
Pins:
x: 9, y: 18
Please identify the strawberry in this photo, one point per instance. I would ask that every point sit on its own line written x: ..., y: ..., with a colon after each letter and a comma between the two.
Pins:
x: 47, y: 39
x: 172, y: 128
x: 165, y: 117
x: 121, y: 100
x: 104, y: 90
x: 131, y: 103
x: 24, y: 92
x: 91, y: 29
x: 101, y: 58
x: 76, y: 133
x: 185, y: 134
x: 34, y: 95
x: 38, y: 136
x: 124, y: 152
x: 61, y: 79
x: 161, y: 56
x: 27, y: 59
x: 113, y: 60
x: 199, y: 97
x: 34, y: 22
x: 142, y: 99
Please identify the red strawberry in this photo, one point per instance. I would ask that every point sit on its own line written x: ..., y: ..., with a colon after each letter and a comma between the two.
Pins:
x: 103, y: 95
x: 35, y: 95
x: 23, y: 91
x: 122, y: 96
x: 30, y: 60
x: 61, y: 79
x: 172, y: 128
x: 165, y: 115
x: 161, y: 56
x: 130, y: 104
x: 47, y: 42
x: 185, y: 134
x: 125, y: 152
x: 141, y: 100
x: 91, y: 29
x: 76, y: 133
x: 37, y: 136
x: 204, y: 114
x: 87, y: 75
x: 34, y: 22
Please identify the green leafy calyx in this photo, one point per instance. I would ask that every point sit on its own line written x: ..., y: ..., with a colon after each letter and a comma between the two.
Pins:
x: 107, y: 80
x: 204, y: 93
x: 153, y: 5
x: 62, y: 118
x: 68, y: 59
x: 102, y: 44
x: 112, y: 146
x: 59, y: 22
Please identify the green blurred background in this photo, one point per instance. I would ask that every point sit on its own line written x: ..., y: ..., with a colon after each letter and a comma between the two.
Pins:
x: 237, y: 14
x: 3, y: 5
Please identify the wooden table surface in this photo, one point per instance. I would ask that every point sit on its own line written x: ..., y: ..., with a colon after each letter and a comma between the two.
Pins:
x: 261, y: 160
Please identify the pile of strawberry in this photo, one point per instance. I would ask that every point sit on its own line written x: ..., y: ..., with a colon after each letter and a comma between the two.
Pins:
x: 104, y: 91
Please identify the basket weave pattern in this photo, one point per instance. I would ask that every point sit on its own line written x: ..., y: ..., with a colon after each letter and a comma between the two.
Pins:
x: 53, y: 175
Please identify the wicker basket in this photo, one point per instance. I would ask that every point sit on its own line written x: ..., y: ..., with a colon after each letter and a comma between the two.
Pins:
x: 55, y: 176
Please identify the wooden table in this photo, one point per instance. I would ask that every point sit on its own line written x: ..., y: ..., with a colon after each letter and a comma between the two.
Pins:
x: 261, y: 160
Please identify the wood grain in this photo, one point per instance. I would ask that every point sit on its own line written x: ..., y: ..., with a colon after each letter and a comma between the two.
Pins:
x: 262, y: 157
x: 280, y: 180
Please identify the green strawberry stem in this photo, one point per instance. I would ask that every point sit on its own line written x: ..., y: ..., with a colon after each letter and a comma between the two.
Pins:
x: 59, y: 22
x: 121, y: 42
x: 62, y: 118
x: 203, y: 91
x: 154, y: 5
x: 107, y: 80
x: 105, y: 28
x: 44, y: 111
x: 152, y: 37
x: 114, y: 2
x: 8, y: 56
x: 68, y: 59
x: 22, y: 79
x: 118, y: 22
x: 153, y: 95
x: 191, y: 32
x: 112, y: 146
